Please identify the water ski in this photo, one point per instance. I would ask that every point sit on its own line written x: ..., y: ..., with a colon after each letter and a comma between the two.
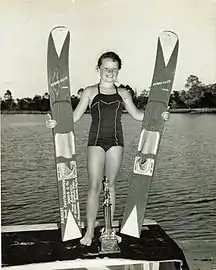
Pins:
x: 63, y: 133
x: 151, y: 133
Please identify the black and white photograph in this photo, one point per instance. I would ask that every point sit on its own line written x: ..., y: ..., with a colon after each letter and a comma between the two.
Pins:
x: 108, y: 131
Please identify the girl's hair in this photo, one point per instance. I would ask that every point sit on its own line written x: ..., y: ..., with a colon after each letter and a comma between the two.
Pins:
x: 110, y: 55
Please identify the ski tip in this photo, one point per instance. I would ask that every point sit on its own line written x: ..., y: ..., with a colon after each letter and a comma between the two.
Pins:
x: 131, y: 225
x: 72, y: 230
x: 130, y: 233
x: 169, y: 34
x: 59, y: 32
x: 168, y: 41
x: 59, y: 28
x: 59, y: 35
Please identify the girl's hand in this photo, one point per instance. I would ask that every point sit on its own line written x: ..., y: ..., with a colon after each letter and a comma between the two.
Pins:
x: 50, y: 123
x: 166, y: 115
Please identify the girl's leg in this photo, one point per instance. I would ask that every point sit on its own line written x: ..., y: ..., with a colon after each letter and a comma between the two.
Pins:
x: 96, y: 162
x: 112, y: 166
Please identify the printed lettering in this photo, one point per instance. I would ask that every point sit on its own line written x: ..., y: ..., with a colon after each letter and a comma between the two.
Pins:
x: 161, y: 83
x: 53, y: 84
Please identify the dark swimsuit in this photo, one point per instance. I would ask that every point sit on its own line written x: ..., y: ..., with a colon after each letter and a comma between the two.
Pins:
x: 106, y: 129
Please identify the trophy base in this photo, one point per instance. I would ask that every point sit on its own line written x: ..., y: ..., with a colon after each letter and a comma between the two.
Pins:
x: 109, y: 244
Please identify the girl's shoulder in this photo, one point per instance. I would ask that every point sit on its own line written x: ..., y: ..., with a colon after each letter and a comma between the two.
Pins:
x: 123, y: 93
x: 91, y: 92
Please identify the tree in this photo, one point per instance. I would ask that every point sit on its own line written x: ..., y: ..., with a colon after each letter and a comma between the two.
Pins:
x: 46, y: 102
x: 36, y: 103
x: 41, y: 103
x: 23, y: 104
x: 192, y: 81
x: 46, y: 95
x: 141, y: 102
x: 208, y: 98
x: 194, y: 91
x: 9, y: 103
x: 176, y: 100
x: 8, y: 95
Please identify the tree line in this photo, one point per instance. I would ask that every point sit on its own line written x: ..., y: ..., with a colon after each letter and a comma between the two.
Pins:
x: 195, y: 95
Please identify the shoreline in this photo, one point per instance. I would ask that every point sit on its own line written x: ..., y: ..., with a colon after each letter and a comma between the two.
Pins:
x: 183, y: 110
x: 194, y: 110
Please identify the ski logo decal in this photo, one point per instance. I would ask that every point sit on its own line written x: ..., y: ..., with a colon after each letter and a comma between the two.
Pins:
x: 69, y: 198
x: 144, y: 166
x: 59, y: 81
x: 161, y: 84
x: 65, y: 145
x: 58, y: 84
x: 65, y: 172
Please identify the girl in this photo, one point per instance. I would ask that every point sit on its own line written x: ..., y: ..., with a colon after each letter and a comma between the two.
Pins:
x: 105, y: 143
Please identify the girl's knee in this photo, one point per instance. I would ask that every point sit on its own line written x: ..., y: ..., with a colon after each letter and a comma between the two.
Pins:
x: 112, y: 186
x: 95, y: 187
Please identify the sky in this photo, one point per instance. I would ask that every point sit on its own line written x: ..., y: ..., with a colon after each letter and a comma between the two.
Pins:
x: 130, y: 28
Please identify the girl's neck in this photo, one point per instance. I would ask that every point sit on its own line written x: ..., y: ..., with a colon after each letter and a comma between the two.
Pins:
x: 106, y: 84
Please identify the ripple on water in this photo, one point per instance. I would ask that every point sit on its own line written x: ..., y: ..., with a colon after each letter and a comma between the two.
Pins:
x: 183, y: 193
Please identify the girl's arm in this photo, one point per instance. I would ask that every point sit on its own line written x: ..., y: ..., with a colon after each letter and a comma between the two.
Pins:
x: 134, y: 112
x: 130, y: 106
x: 78, y: 112
x: 82, y: 105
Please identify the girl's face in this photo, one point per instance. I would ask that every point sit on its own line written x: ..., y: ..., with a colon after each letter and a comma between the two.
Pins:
x: 109, y: 70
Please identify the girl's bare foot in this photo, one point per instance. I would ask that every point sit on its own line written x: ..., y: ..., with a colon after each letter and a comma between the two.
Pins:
x: 87, y: 239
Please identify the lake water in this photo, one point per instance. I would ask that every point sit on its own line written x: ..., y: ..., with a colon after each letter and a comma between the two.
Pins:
x: 183, y: 194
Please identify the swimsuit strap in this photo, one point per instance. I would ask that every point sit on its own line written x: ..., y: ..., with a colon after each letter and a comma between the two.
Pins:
x: 98, y: 89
